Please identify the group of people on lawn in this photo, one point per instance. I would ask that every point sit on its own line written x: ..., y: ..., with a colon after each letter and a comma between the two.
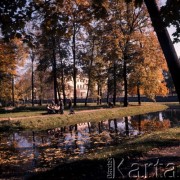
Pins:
x: 59, y: 108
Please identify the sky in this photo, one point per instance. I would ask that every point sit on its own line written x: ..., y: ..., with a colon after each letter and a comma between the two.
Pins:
x: 176, y: 45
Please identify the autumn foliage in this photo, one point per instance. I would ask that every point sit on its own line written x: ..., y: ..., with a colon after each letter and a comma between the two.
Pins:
x: 12, y: 56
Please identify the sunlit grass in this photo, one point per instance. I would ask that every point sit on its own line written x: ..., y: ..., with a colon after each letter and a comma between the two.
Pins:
x: 41, y: 110
x: 57, y: 120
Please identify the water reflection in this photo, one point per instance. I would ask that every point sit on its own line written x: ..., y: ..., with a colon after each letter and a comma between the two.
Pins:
x: 22, y: 153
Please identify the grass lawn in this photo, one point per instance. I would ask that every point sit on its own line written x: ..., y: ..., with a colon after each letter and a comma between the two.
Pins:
x: 24, y: 111
x: 36, y: 121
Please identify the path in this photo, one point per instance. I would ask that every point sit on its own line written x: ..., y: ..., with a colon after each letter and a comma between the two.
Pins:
x: 49, y: 115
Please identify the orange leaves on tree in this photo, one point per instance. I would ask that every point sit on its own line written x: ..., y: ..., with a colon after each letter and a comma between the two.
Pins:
x: 149, y: 67
x: 12, y: 55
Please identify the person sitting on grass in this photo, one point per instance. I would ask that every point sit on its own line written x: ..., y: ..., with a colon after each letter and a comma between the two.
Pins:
x: 56, y: 108
x: 50, y: 109
x: 110, y: 105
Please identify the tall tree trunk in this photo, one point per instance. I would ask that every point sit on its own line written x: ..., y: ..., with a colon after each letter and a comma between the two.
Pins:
x: 62, y: 76
x: 55, y: 73
x: 55, y: 81
x: 166, y: 44
x: 98, y: 93
x: 63, y: 91
x: 114, y: 83
x: 41, y: 88
x: 125, y: 82
x: 89, y: 72
x: 138, y: 93
x: 74, y: 62
x: 40, y: 98
x: 32, y: 77
x: 89, y: 83
x: 108, y: 89
x: 13, y: 102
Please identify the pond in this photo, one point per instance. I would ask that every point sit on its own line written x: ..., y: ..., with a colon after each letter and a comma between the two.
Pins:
x: 25, y: 152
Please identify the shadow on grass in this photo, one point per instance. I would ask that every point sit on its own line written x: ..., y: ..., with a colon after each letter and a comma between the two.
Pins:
x: 85, y: 169
x: 8, y: 126
x: 158, y: 143
x: 98, y: 168
x: 43, y: 108
x: 22, y: 109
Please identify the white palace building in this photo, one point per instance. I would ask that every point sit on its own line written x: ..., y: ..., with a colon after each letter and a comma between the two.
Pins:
x: 81, y: 87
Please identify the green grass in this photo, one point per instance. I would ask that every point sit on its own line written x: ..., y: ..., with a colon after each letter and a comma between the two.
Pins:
x: 26, y: 111
x: 41, y: 110
x: 140, y: 145
x: 51, y: 121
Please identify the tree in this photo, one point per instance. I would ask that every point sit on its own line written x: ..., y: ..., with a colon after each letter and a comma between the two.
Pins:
x: 52, y: 30
x: 170, y: 14
x: 78, y: 17
x: 172, y: 7
x: 128, y: 22
x: 169, y: 82
x: 148, y: 68
x: 23, y: 86
x: 14, y: 15
x: 88, y: 61
x: 32, y: 57
x: 94, y: 58
x: 165, y: 42
x: 63, y: 67
x: 12, y: 56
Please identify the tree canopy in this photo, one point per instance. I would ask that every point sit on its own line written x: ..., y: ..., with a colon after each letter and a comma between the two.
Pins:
x: 110, y: 42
